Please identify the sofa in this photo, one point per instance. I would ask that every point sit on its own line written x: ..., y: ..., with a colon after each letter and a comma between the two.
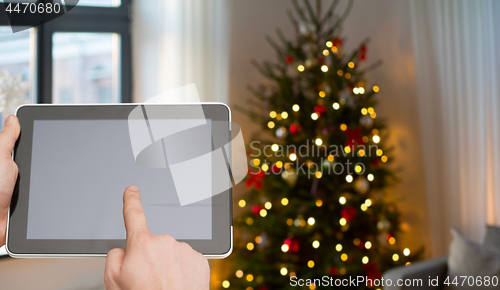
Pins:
x: 465, y: 259
x: 420, y: 270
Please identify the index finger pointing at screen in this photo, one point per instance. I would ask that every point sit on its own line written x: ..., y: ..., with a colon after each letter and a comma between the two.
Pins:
x: 133, y: 214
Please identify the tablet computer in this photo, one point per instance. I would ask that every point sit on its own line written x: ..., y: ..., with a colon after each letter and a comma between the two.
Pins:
x: 75, y: 162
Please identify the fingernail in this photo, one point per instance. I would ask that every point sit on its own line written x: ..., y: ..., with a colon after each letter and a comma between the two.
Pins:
x: 8, y: 120
x: 133, y: 188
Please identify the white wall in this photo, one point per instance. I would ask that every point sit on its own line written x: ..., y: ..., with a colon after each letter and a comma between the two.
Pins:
x: 387, y: 23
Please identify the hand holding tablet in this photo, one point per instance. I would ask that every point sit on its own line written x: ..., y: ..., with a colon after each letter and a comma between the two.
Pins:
x: 149, y: 260
x: 8, y: 170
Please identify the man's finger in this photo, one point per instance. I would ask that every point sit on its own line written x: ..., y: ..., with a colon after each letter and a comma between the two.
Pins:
x: 114, y: 261
x: 135, y: 220
x: 8, y: 136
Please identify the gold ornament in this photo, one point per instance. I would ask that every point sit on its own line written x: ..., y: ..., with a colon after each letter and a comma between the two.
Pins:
x: 361, y: 184
x: 290, y: 176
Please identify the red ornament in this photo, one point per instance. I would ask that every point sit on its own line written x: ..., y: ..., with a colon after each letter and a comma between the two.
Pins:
x: 372, y: 271
x: 376, y: 162
x: 255, y: 179
x: 295, y: 128
x: 349, y: 213
x: 275, y: 169
x: 353, y: 137
x: 262, y: 287
x: 289, y: 59
x: 319, y: 110
x: 256, y: 209
x: 337, y: 42
x: 293, y: 244
x: 332, y: 271
x: 320, y: 59
x: 362, y: 52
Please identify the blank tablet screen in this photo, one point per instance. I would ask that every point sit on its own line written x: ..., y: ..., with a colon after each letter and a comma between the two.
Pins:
x: 79, y: 170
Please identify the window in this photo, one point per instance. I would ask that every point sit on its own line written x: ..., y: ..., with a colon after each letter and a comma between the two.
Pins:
x: 100, y: 3
x: 17, y: 69
x: 81, y: 57
x: 85, y: 67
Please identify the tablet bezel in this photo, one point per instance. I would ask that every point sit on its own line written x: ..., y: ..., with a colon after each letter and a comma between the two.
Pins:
x: 17, y: 244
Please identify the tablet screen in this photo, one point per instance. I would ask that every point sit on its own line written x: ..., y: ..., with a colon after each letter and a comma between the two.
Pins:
x: 79, y: 170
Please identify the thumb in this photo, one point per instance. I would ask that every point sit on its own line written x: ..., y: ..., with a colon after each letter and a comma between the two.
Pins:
x: 8, y: 136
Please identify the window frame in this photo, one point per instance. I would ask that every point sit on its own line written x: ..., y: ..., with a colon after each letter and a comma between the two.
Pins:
x: 81, y: 19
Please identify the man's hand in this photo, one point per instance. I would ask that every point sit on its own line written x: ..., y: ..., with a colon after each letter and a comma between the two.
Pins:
x: 149, y: 261
x: 8, y: 169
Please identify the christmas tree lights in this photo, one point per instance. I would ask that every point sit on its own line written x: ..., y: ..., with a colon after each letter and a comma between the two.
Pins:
x: 300, y: 216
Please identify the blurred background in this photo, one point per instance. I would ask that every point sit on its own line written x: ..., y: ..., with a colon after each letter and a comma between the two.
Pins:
x: 438, y: 93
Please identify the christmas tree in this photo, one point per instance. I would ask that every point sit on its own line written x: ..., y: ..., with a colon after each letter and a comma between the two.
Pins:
x: 320, y: 170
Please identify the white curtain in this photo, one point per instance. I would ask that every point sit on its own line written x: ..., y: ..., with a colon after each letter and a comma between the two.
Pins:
x: 178, y: 42
x: 456, y: 46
